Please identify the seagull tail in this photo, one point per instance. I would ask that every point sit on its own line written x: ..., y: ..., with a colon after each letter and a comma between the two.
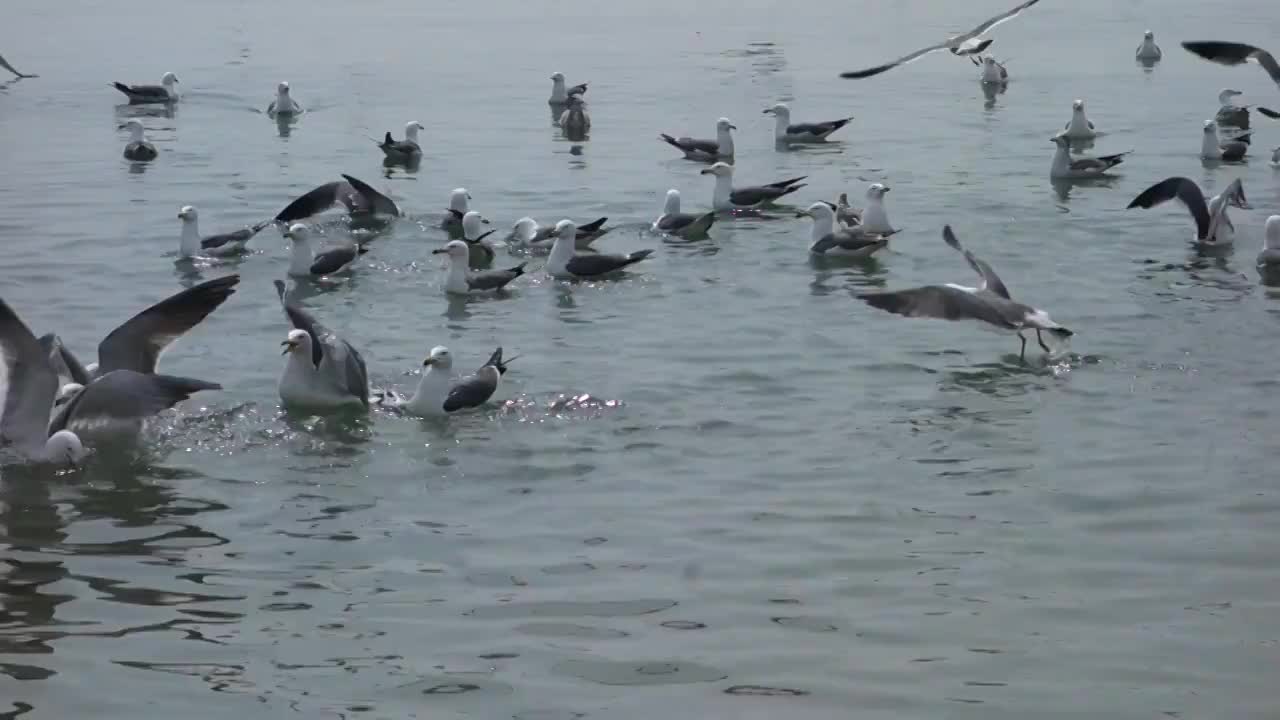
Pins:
x: 592, y: 226
x: 122, y: 88
x: 638, y: 255
x: 670, y: 141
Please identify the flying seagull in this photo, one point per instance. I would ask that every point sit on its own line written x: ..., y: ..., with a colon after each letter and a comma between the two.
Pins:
x: 1232, y: 53
x: 963, y: 44
x: 1213, y: 227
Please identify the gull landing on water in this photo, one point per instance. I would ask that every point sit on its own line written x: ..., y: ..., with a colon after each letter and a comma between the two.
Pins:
x: 143, y: 94
x: 706, y: 150
x: 1148, y: 50
x: 1065, y: 167
x: 989, y: 303
x: 1213, y: 226
x: 357, y: 196
x: 786, y: 132
x: 138, y: 149
x: 964, y: 44
x: 192, y: 245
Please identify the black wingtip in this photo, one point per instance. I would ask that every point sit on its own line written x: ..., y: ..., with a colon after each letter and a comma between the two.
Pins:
x: 279, y: 288
x: 859, y: 74
x: 1269, y: 112
x: 639, y: 255
x: 887, y: 301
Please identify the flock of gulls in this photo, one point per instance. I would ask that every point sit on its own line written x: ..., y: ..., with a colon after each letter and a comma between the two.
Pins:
x: 51, y: 401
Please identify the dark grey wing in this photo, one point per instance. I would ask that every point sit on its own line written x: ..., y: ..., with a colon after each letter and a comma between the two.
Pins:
x: 1234, y: 191
x: 313, y: 202
x: 30, y: 383
x: 372, y: 199
x: 472, y: 390
x: 944, y: 303
x: 494, y: 279
x: 750, y: 196
x: 354, y: 374
x: 239, y: 236
x: 334, y: 259
x: 818, y: 129
x: 126, y: 395
x: 1232, y: 53
x: 580, y: 89
x: 848, y: 240
x: 692, y: 145
x: 591, y: 227
x: 990, y: 281
x: 1269, y: 113
x: 786, y: 183
x: 603, y: 264
x: 1235, y: 148
x: 137, y: 343
x: 143, y: 92
x: 64, y: 363
x: 1185, y: 191
x: 676, y: 221
x: 303, y: 320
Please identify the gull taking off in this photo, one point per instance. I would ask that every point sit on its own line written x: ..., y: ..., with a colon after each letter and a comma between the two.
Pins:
x: 560, y: 94
x: 681, y: 224
x: 438, y: 394
x: 460, y: 280
x: 988, y: 303
x: 786, y: 132
x: 706, y: 150
x: 1065, y: 167
x: 138, y: 149
x: 226, y: 244
x: 565, y: 263
x: 284, y: 103
x: 1148, y: 50
x: 142, y: 94
x: 727, y: 197
x: 826, y: 239
x: 1213, y: 227
x: 323, y: 371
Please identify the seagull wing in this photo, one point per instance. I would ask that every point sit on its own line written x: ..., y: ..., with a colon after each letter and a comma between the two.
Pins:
x: 990, y: 281
x: 30, y: 384
x: 1183, y: 190
x: 126, y: 395
x: 138, y: 343
x: 1232, y: 53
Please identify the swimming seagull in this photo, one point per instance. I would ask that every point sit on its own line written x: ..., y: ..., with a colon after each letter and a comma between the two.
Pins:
x: 828, y: 240
x: 481, y: 253
x: 1214, y: 148
x: 1232, y: 53
x: 706, y: 150
x: 323, y: 371
x: 784, y: 131
x: 141, y: 94
x: 874, y: 218
x: 988, y: 303
x: 284, y: 104
x: 460, y: 280
x: 529, y: 233
x: 681, y: 224
x: 560, y: 94
x: 1213, y: 226
x: 1082, y: 167
x: 191, y: 244
x: 357, y: 196
x: 1079, y: 127
x: 1148, y: 50
x: 993, y: 73
x: 564, y: 262
x: 138, y: 149
x: 574, y: 121
x: 1235, y: 116
x: 305, y: 262
x: 406, y: 150
x: 727, y: 197
x: 963, y: 44
x: 439, y: 394
x: 1270, y: 255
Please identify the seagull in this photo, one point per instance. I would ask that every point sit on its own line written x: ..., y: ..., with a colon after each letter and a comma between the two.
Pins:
x: 528, y: 233
x: 850, y: 242
x: 874, y: 218
x: 459, y: 204
x: 993, y: 73
x: 706, y: 150
x: 223, y: 245
x: 481, y: 253
x: 574, y: 121
x: 117, y: 403
x: 988, y: 303
x: 1270, y: 255
x: 1079, y: 127
x: 1214, y: 148
x: 438, y: 394
x: 963, y: 44
x: 1065, y: 167
x: 565, y: 263
x: 138, y: 149
x: 1148, y: 50
x: 283, y: 104
x: 142, y: 94
x: 785, y: 132
x: 681, y: 224
x: 323, y: 371
x: 406, y: 150
x: 1213, y: 226
x: 1236, y: 117
x: 559, y: 94
x: 305, y: 262
x: 357, y: 196
x: 727, y: 197
x: 1232, y: 53
x: 4, y: 64
x: 460, y: 280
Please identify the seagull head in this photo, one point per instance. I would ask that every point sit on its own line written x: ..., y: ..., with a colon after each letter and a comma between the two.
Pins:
x: 455, y: 249
x: 877, y: 191
x: 566, y: 229
x: 723, y: 125
x: 458, y: 199
x: 1148, y: 35
x: 525, y: 229
x: 673, y: 202
x: 779, y: 110
x: 1272, y: 232
x: 282, y: 88
x: 817, y: 211
x: 1060, y: 140
x: 438, y: 357
x: 413, y: 127
x: 720, y: 169
x: 65, y: 446
x: 168, y: 79
x: 1225, y: 96
x: 297, y: 231
x: 296, y: 340
x: 1077, y: 105
x: 843, y: 199
x: 135, y: 130
x: 188, y: 213
x: 557, y: 77
x: 471, y: 223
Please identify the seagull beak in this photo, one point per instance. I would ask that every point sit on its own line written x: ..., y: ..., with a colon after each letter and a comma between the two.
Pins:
x: 484, y: 220
x: 733, y: 127
x: 803, y: 213
x: 706, y: 171
x: 288, y: 345
x: 440, y: 251
x: 766, y: 111
x: 428, y: 362
x: 887, y: 188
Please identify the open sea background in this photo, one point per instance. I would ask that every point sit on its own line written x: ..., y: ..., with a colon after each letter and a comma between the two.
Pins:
x: 776, y: 501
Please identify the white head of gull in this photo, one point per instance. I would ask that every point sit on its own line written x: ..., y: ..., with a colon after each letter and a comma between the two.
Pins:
x: 525, y: 231
x: 189, y: 245
x: 672, y: 205
x: 724, y: 136
x: 458, y: 200
x: 302, y: 256
x: 456, y: 255
x: 472, y: 224
x: 781, y: 120
x: 1224, y: 97
x: 434, y: 385
x: 1212, y: 147
x: 874, y: 218
x: 992, y: 71
x: 167, y: 82
x: 135, y: 129
x: 283, y: 104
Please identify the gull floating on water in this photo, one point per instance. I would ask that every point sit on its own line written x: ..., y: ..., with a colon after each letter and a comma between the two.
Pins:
x: 305, y: 262
x: 1148, y: 50
x: 406, y: 150
x: 560, y: 94
x: 962, y: 44
x: 565, y: 263
x: 1233, y: 53
x: 875, y: 219
x: 1214, y: 148
x: 1082, y: 167
x: 459, y: 204
x: 786, y: 132
x: 1079, y: 127
x: 1213, y: 226
x: 192, y: 245
x: 989, y: 303
x: 284, y: 104
x: 727, y: 197
x: 138, y: 149
x: 827, y: 239
x: 682, y: 224
x: 993, y: 73
x: 460, y: 280
x: 574, y: 121
x: 323, y: 371
x: 481, y: 253
x: 439, y: 394
x: 1270, y: 255
x: 142, y: 94
x: 357, y: 196
x: 529, y: 233
x: 1236, y: 117
x: 706, y: 150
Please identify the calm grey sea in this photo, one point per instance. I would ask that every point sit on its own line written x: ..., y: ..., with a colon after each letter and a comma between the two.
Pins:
x: 775, y: 501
